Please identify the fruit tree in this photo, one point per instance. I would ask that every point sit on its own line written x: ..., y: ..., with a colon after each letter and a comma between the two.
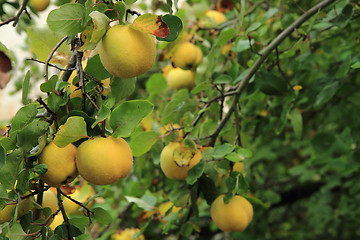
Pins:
x: 196, y: 119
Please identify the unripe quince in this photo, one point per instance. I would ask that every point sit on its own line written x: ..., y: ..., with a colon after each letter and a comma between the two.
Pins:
x: 103, y: 161
x: 187, y: 56
x: 178, y: 78
x: 58, y: 220
x: 24, y: 207
x: 127, y: 234
x: 213, y: 19
x: 50, y: 201
x: 234, y: 216
x: 39, y: 5
x: 60, y: 163
x: 176, y: 161
x: 126, y: 52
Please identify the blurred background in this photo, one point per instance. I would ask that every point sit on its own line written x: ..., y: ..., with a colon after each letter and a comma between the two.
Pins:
x: 10, y: 101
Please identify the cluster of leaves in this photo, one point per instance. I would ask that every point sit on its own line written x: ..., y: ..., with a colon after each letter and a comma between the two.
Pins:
x: 285, y: 106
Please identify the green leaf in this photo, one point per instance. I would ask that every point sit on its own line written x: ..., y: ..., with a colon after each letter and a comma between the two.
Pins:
x: 24, y: 116
x: 195, y: 172
x: 49, y: 86
x: 95, y: 68
x: 221, y: 150
x: 257, y: 201
x: 142, y: 142
x: 355, y: 65
x: 156, y: 84
x: 225, y: 36
x: 297, y: 122
x: 208, y: 189
x: 26, y: 88
x: 74, y: 129
x: 122, y: 87
x: 68, y: 19
x: 101, y: 115
x: 29, y: 135
x: 94, y: 30
x: 252, y: 27
x: 271, y: 84
x: 62, y: 231
x: 175, y: 26
x: 244, y: 152
x: 178, y: 107
x: 42, y: 40
x: 344, y: 17
x: 121, y: 9
x: 127, y: 116
x: 283, y: 119
x: 129, y: 2
x: 322, y: 142
x: 242, y: 185
x: 140, y: 203
x: 55, y: 101
x: 101, y: 216
x: 40, y: 169
x: 223, y: 79
x: 327, y: 93
x: 242, y: 45
x: 234, y: 157
x: 9, y: 171
x: 16, y: 232
x: 186, y: 229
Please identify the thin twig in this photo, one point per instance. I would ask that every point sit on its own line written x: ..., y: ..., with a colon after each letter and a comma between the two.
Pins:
x: 51, y: 65
x: 78, y: 203
x: 16, y: 18
x: 265, y: 53
x: 51, y: 55
x: 53, y: 115
x: 92, y: 101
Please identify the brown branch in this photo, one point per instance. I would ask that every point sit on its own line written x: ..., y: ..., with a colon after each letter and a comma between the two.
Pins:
x: 16, y: 18
x: 197, y: 119
x: 66, y: 219
x: 92, y: 101
x: 51, y: 55
x: 70, y: 65
x: 265, y: 53
x: 80, y: 73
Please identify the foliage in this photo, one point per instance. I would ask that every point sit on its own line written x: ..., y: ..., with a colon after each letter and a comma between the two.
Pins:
x: 278, y: 89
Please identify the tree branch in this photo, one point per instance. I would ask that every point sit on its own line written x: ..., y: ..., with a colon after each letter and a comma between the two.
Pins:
x: 66, y: 219
x: 51, y: 65
x: 51, y: 55
x: 264, y: 54
x: 16, y: 18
